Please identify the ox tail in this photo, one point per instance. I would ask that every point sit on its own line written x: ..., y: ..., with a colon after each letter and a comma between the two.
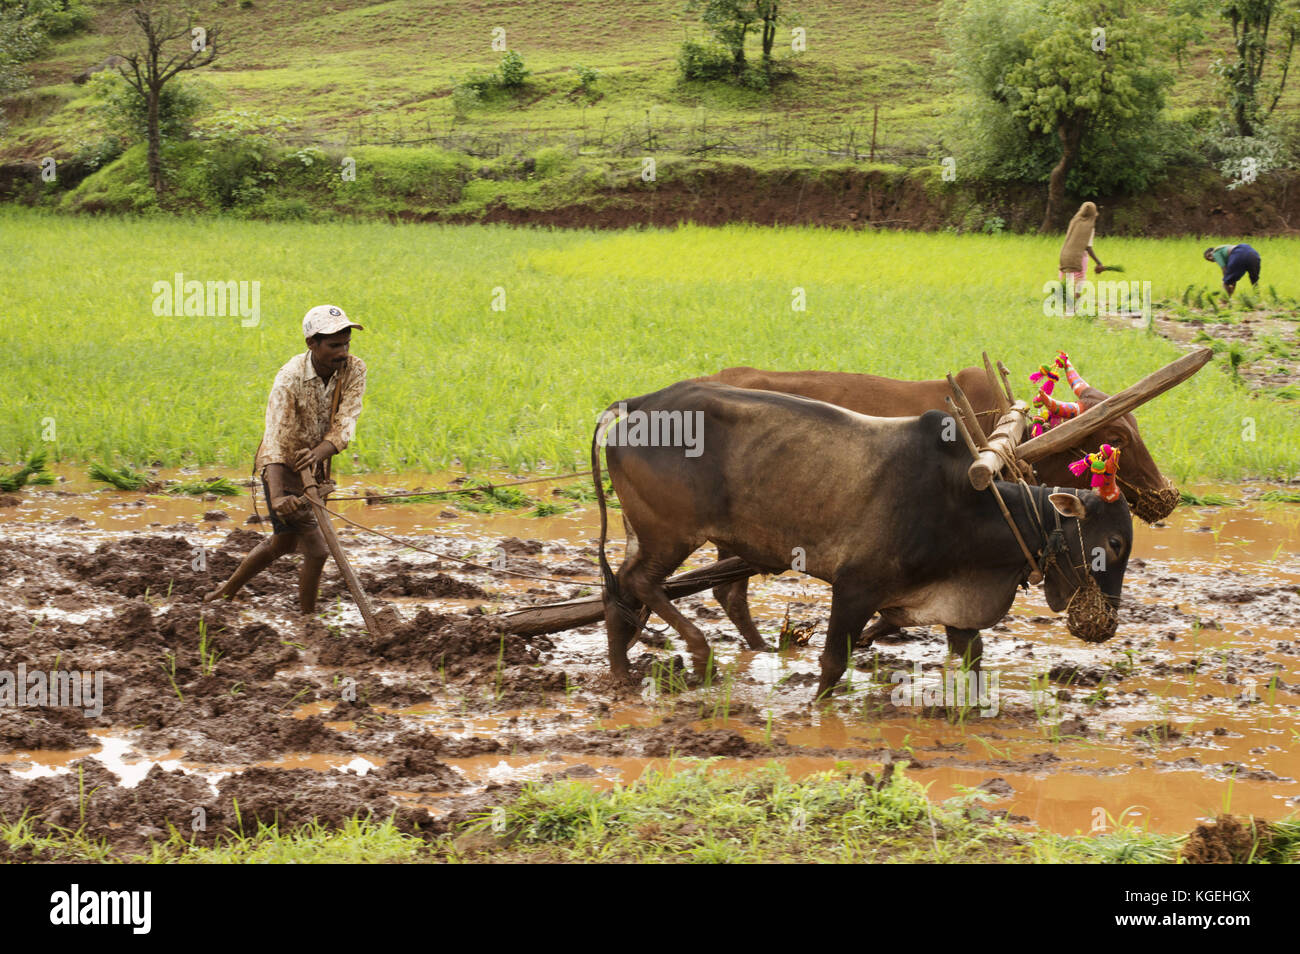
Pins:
x: 608, y: 417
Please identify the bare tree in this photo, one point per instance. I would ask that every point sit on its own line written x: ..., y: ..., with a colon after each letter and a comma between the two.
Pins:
x: 164, y: 49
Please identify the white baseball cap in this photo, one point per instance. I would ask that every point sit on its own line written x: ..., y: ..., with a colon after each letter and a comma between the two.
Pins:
x: 326, y: 320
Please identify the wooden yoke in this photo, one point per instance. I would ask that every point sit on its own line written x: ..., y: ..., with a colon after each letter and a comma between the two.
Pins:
x: 1001, y: 446
x: 1069, y: 433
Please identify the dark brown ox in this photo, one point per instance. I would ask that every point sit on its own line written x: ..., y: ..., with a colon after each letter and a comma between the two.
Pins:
x: 880, y: 508
x: 1148, y: 492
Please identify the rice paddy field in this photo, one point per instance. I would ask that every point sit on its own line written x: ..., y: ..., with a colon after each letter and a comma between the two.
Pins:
x: 306, y: 737
x: 497, y: 347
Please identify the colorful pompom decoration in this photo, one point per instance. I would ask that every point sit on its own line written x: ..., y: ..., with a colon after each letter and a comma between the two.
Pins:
x: 1050, y: 374
x: 1046, y: 376
x: 1052, y: 412
x: 1103, y: 465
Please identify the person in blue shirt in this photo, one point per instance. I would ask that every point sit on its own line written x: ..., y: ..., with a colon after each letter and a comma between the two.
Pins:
x: 1235, y: 260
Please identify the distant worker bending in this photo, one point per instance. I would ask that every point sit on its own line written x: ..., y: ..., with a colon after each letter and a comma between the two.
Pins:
x: 1235, y: 260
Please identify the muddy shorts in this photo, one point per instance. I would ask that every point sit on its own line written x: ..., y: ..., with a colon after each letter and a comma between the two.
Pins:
x: 304, y: 521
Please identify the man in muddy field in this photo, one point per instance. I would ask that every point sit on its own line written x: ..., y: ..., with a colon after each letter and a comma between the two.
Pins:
x: 310, y: 416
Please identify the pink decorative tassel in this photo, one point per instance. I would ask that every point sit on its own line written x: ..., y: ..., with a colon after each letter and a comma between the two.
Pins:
x: 1047, y: 376
x: 1104, y: 465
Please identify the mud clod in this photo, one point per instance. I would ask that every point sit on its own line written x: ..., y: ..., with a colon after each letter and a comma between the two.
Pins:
x: 1228, y: 840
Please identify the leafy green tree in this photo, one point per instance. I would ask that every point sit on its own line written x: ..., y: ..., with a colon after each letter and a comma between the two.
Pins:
x: 166, y: 45
x: 1261, y: 29
x: 769, y: 14
x: 1058, y: 78
x: 730, y: 22
x: 124, y: 113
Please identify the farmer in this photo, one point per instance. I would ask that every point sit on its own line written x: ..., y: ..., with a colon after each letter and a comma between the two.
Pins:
x: 301, y: 432
x: 1235, y: 261
x: 1078, y: 246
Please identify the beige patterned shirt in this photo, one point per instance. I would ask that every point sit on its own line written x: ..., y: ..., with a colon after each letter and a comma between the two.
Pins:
x: 297, y: 413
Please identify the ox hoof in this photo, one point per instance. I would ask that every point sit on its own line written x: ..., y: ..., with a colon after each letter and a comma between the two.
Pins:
x: 654, y: 641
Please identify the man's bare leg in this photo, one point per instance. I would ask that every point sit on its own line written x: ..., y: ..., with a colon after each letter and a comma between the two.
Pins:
x: 314, y: 553
x: 258, y: 559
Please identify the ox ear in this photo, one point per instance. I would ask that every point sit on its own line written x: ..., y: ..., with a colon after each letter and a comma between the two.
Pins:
x: 1068, y: 505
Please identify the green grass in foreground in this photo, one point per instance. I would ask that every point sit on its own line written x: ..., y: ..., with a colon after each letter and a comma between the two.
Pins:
x: 589, y: 318
x: 691, y: 815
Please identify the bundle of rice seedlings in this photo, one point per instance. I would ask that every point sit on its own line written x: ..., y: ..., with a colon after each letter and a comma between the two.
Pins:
x: 32, y: 472
x: 1281, y: 496
x: 1189, y: 499
x: 123, y: 479
x: 221, y: 486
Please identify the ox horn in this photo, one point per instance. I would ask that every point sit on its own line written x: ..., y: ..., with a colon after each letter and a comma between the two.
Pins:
x: 1071, y: 432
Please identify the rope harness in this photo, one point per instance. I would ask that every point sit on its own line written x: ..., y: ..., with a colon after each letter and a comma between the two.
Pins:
x: 1090, y: 614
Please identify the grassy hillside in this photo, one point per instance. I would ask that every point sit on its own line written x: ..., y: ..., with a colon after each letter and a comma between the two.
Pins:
x: 345, y: 71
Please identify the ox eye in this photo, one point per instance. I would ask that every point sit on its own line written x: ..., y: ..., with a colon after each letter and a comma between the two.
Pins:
x: 1116, y: 546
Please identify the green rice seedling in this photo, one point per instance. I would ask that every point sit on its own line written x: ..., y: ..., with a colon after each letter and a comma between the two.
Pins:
x: 1188, y: 499
x: 1236, y: 354
x: 548, y: 508
x: 294, y: 699
x: 32, y: 472
x: 582, y: 493
x: 169, y: 667
x: 1199, y: 299
x: 1248, y: 300
x: 1276, y: 346
x: 1187, y: 294
x: 84, y: 797
x: 1280, y: 496
x: 221, y: 486
x: 123, y: 478
x: 208, y: 654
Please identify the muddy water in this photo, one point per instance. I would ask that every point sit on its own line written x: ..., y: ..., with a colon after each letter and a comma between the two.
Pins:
x: 1190, y: 708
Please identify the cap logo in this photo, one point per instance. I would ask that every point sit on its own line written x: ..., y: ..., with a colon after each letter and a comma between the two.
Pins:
x: 335, y: 312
